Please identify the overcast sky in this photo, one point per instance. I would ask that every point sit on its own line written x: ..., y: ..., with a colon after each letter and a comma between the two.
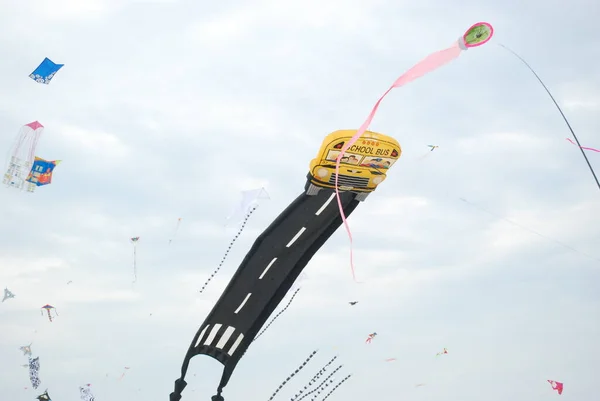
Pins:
x: 168, y: 109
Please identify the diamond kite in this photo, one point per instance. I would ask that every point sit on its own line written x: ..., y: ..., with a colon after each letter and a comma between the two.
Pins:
x: 558, y: 386
x: 48, y: 308
x: 26, y: 350
x: 7, y: 295
x: 44, y: 396
x: 45, y: 71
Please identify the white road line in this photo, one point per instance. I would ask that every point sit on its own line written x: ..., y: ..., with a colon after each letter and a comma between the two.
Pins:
x: 201, y: 335
x: 212, y: 334
x: 225, y: 337
x: 243, y: 303
x: 235, y: 344
x: 325, y: 204
x: 267, y: 268
x: 296, y: 237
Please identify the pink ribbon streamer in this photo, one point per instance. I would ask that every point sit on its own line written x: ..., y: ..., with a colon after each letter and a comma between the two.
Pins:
x: 428, y: 64
x: 583, y: 147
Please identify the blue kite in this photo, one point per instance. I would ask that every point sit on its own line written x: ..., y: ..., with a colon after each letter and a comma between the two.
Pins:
x: 45, y: 71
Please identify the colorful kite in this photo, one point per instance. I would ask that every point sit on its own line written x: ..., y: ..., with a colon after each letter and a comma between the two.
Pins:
x: 45, y: 71
x: 583, y: 147
x: 477, y: 35
x: 34, y: 370
x: 41, y: 173
x: 433, y: 147
x: 48, y: 308
x: 176, y: 229
x: 26, y: 350
x: 123, y: 375
x: 7, y: 295
x: 560, y: 110
x: 134, y: 241
x: 22, y: 155
x: 44, y: 397
x: 86, y: 393
x: 370, y: 338
x: 445, y: 351
x: 558, y: 386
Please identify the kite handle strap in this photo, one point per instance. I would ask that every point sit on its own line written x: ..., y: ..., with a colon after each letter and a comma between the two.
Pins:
x: 180, y: 385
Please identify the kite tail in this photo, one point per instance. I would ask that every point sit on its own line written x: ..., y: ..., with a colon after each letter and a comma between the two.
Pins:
x: 325, y: 383
x: 228, y: 249
x: 559, y: 109
x: 277, y: 315
x: 336, y: 387
x: 314, y: 379
x: 428, y: 64
x: 283, y: 383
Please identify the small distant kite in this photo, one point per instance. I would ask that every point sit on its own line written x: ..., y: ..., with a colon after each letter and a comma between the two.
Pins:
x: 45, y: 71
x: 390, y: 359
x: 48, y: 308
x: 558, y: 386
x: 371, y: 337
x: 34, y: 370
x: 134, y: 241
x: 420, y: 385
x: 353, y: 303
x: 433, y: 147
x: 86, y: 393
x: 445, y: 351
x: 176, y: 229
x: 44, y: 397
x: 26, y: 350
x: 123, y: 375
x: 583, y: 147
x: 7, y: 295
x: 41, y: 172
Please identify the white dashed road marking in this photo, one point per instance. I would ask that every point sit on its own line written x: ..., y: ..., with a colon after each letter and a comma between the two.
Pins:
x: 267, y: 268
x: 243, y: 303
x: 296, y: 237
x: 325, y: 204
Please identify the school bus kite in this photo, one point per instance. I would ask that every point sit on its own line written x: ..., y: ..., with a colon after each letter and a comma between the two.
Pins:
x: 362, y: 168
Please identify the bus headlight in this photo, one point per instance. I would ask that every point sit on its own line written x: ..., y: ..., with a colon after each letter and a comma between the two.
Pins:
x: 322, y: 172
x: 377, y: 180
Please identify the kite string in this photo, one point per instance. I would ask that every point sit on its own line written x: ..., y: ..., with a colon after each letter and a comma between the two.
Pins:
x: 336, y: 387
x: 567, y: 246
x: 320, y: 386
x: 559, y: 109
x: 315, y: 377
x: 283, y: 383
x: 277, y: 315
x: 428, y: 64
x: 229, y: 248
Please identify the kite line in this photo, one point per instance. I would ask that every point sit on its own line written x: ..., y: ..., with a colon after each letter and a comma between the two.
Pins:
x: 559, y: 109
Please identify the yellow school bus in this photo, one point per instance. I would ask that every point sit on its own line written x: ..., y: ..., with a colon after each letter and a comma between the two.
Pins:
x: 362, y: 168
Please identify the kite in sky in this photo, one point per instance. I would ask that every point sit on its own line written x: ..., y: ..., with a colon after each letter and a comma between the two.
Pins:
x: 7, y: 295
x: 176, y: 229
x: 86, y: 393
x: 123, y: 375
x: 41, y: 173
x: 26, y: 349
x: 44, y: 73
x: 370, y: 338
x: 22, y: 155
x: 353, y: 303
x: 445, y: 351
x: 134, y: 241
x: 433, y: 147
x: 583, y: 147
x: 34, y: 370
x: 48, y: 308
x: 44, y: 397
x: 561, y: 113
x: 558, y: 386
x: 477, y: 35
